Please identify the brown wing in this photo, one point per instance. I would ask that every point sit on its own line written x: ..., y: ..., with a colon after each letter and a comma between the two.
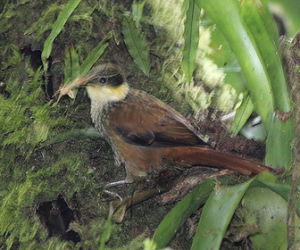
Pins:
x: 144, y: 120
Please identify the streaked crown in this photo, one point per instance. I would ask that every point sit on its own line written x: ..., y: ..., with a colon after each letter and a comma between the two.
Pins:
x: 106, y: 74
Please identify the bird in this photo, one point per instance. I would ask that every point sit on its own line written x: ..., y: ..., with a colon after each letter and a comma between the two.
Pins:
x: 148, y: 136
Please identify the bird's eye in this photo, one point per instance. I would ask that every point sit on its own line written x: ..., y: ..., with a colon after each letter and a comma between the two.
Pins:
x: 103, y: 80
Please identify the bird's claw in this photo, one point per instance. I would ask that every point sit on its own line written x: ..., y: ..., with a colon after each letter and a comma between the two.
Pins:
x: 113, y: 194
x: 113, y: 184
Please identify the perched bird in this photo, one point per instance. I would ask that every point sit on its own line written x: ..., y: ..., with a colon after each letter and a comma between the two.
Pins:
x: 148, y: 136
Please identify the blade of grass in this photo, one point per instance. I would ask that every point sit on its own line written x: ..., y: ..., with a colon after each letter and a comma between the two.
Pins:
x: 57, y: 28
x: 183, y: 209
x: 71, y: 69
x: 67, y: 66
x: 106, y: 234
x: 95, y: 54
x: 75, y: 66
x: 191, y: 39
x: 216, y: 215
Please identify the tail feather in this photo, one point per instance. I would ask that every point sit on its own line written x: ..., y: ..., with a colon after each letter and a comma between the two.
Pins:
x: 188, y: 156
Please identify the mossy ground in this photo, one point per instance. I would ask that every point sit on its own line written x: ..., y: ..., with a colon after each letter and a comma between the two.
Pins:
x: 75, y: 169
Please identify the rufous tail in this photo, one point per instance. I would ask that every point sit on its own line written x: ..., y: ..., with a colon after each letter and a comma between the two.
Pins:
x: 188, y: 156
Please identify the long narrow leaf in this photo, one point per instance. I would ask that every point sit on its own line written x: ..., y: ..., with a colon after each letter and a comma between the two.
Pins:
x: 136, y: 44
x: 242, y: 115
x: 250, y: 32
x: 137, y: 11
x: 71, y: 69
x: 106, y: 234
x: 261, y: 25
x: 57, y: 28
x: 75, y: 64
x: 279, y: 150
x: 216, y: 215
x: 68, y: 65
x: 191, y: 39
x: 94, y: 55
x: 177, y: 216
x: 281, y: 133
x: 228, y: 19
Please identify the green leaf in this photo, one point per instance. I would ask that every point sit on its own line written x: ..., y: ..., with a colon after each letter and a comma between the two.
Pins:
x: 136, y: 44
x: 149, y: 244
x: 268, y: 211
x: 184, y: 7
x: 252, y: 37
x: 225, y: 59
x: 95, y: 54
x: 137, y: 11
x: 242, y: 115
x: 280, y: 134
x: 191, y: 39
x: 288, y: 10
x: 230, y: 22
x: 216, y: 215
x: 262, y: 27
x: 278, y: 144
x: 71, y: 69
x: 57, y: 28
x: 106, y: 234
x: 268, y: 180
x: 183, y: 209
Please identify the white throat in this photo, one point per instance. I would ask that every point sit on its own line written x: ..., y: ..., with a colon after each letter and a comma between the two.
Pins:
x: 102, y: 95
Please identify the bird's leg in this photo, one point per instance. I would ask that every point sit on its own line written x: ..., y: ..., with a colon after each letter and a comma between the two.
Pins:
x: 127, y: 180
x: 117, y: 183
x: 114, y: 194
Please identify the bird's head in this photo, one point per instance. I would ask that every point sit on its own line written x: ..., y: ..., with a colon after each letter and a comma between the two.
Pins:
x: 105, y: 83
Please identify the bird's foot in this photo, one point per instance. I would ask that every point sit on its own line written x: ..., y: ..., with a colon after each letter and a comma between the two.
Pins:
x: 113, y: 194
x: 116, y: 183
x: 113, y: 184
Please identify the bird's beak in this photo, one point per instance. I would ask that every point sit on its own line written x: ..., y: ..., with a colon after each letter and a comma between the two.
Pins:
x: 78, y: 82
x: 83, y: 80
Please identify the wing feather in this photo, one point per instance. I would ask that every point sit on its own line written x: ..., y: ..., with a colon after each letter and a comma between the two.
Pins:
x: 144, y: 120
